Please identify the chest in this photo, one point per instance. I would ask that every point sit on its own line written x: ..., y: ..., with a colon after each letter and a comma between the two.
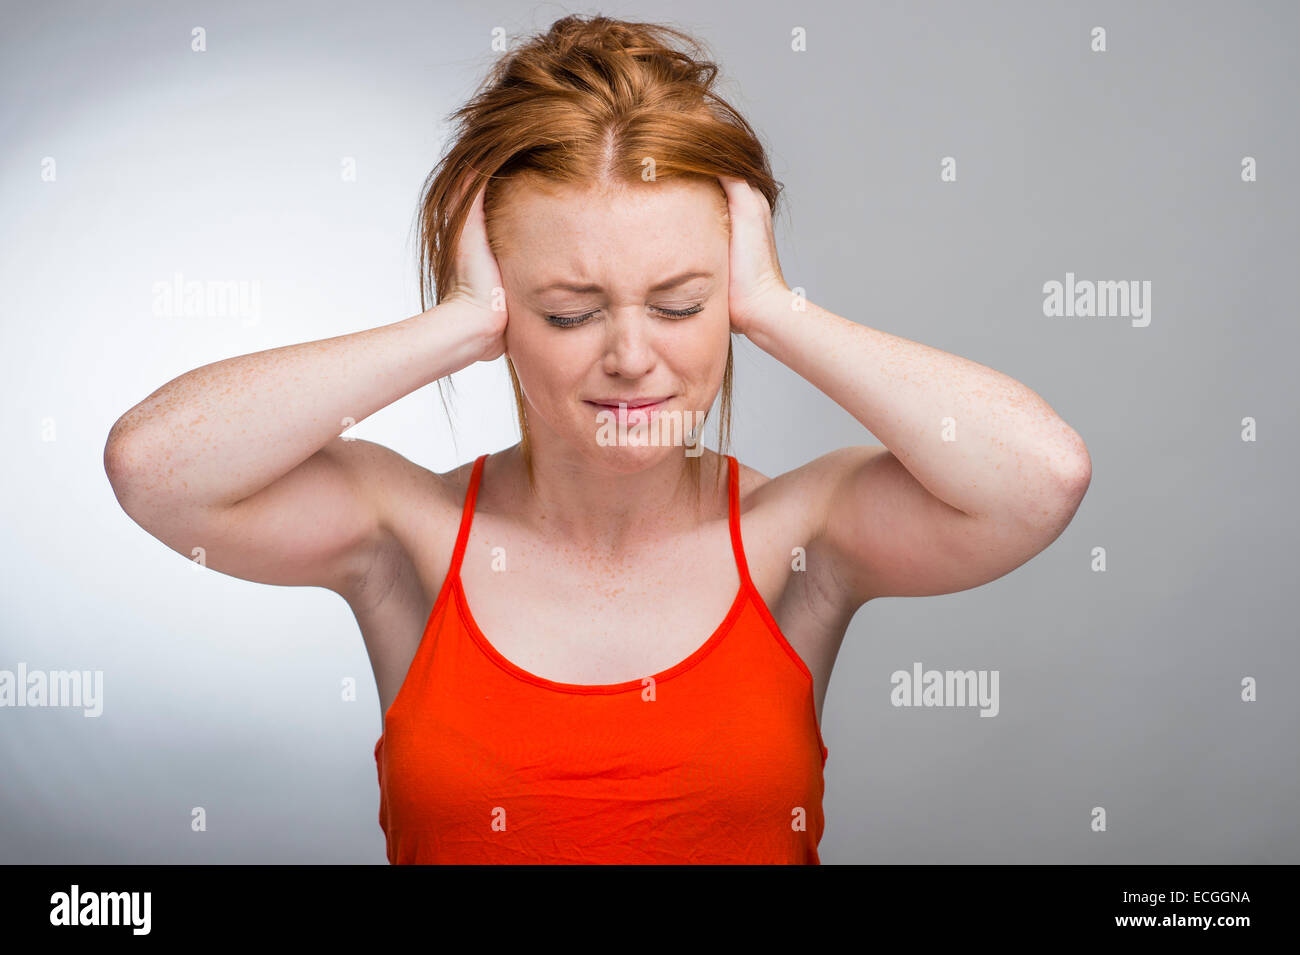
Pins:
x: 572, y: 620
x: 583, y: 620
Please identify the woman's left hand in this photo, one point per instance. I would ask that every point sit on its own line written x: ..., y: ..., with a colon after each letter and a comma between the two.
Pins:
x: 755, y: 286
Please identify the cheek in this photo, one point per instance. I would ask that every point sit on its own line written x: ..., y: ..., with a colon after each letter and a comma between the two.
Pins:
x: 548, y: 365
x: 701, y: 351
x: 703, y: 363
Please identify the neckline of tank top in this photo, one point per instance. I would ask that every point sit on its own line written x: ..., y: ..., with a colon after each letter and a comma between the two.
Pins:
x: 746, y: 590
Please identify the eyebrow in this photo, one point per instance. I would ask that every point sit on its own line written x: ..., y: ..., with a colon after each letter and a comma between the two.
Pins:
x: 663, y: 286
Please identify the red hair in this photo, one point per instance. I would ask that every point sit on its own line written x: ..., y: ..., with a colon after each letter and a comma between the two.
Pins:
x: 590, y: 100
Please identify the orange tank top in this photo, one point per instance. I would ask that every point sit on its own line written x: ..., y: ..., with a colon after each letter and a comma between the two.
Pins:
x: 718, y: 759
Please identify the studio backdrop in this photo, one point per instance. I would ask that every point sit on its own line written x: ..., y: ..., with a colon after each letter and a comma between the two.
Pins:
x: 182, y: 183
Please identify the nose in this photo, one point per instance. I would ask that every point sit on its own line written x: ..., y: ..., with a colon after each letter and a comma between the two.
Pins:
x: 629, y: 344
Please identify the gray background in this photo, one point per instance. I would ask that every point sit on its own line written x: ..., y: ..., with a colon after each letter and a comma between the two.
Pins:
x: 1119, y: 689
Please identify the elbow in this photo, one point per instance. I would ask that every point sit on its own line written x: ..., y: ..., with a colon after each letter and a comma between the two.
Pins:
x: 1045, y: 507
x: 122, y: 456
x: 1075, y: 476
x: 1071, y: 469
x: 116, y: 456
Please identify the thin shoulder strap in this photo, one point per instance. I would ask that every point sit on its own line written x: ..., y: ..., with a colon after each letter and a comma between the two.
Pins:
x: 733, y: 516
x: 466, y: 516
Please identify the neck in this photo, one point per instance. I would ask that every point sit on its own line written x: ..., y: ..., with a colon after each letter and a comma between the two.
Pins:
x: 599, y: 510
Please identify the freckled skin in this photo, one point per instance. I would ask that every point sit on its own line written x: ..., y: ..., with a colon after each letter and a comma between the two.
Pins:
x: 618, y: 553
x: 242, y: 456
x: 624, y: 240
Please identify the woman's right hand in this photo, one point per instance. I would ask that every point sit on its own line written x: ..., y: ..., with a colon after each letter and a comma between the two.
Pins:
x: 476, y: 284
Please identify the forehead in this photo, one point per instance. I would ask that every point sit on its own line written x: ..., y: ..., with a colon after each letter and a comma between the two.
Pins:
x: 559, y: 225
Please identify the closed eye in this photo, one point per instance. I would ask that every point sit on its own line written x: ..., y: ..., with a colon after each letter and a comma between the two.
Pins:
x: 568, y: 321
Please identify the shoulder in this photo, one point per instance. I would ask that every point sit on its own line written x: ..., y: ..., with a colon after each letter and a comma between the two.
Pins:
x: 790, y: 514
x: 803, y: 496
x: 409, y: 505
x: 387, y: 477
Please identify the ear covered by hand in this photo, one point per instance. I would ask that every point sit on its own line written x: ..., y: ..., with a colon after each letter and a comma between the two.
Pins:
x: 755, y: 283
x: 476, y: 281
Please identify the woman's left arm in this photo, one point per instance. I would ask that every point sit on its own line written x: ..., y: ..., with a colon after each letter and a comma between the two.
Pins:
x: 977, y: 475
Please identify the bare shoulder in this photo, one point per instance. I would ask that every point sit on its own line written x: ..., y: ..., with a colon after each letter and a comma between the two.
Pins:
x: 410, y: 504
x: 787, y: 515
x: 387, y: 476
x: 801, y: 497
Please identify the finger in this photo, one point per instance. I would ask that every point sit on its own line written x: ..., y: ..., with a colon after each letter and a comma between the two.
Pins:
x: 475, y: 227
x: 734, y: 188
x: 461, y: 189
x: 760, y: 200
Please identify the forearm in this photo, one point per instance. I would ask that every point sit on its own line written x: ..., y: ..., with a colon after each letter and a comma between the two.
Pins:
x: 975, y: 438
x: 223, y: 431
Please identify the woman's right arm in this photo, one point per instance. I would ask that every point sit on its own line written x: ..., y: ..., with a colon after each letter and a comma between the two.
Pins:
x: 243, y: 458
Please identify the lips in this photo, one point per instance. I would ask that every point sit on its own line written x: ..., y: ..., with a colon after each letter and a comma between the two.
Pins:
x: 632, y: 404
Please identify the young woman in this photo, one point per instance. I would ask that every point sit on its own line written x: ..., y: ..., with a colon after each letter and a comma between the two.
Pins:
x: 591, y: 647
